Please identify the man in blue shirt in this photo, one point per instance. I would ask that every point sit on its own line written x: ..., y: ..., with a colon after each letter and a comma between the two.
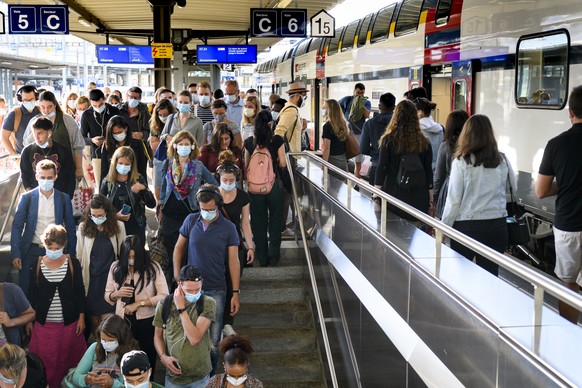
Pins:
x: 209, y: 238
x: 356, y: 126
x: 233, y: 101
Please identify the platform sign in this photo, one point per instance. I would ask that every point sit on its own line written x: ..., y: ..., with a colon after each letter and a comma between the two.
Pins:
x: 162, y: 50
x: 226, y: 54
x: 38, y: 19
x: 278, y: 22
x: 133, y: 55
x: 322, y: 25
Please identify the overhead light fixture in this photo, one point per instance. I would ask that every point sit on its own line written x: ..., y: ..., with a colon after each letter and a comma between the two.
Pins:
x: 34, y: 66
x: 84, y: 22
x: 6, y: 63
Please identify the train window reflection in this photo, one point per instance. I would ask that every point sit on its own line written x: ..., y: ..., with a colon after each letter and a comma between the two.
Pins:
x: 443, y: 12
x: 349, y: 35
x: 408, y: 17
x: 382, y: 24
x: 461, y: 94
x: 334, y: 42
x: 542, y: 70
x: 363, y: 33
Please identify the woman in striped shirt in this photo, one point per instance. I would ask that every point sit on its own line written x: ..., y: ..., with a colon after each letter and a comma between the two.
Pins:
x: 58, y: 297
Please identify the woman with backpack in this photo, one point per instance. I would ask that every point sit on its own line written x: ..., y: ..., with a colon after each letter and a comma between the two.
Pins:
x: 264, y: 153
x: 222, y: 139
x: 335, y: 134
x: 404, y: 165
x: 476, y: 200
x: 135, y: 285
x: 455, y: 122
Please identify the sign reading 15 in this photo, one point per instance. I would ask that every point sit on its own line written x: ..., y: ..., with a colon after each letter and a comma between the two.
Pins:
x: 322, y: 25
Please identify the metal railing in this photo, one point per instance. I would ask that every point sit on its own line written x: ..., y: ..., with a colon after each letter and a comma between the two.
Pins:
x: 540, y: 282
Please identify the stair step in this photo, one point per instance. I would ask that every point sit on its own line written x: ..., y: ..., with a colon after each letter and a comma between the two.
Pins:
x: 270, y: 273
x: 290, y: 339
x: 286, y: 367
x: 273, y: 296
x: 273, y: 315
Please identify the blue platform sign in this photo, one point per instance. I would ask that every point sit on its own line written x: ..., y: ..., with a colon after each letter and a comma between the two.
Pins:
x: 38, y: 19
x: 135, y: 55
x: 226, y: 54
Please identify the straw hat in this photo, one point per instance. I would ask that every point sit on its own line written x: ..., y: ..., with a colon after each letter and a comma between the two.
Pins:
x: 297, y: 87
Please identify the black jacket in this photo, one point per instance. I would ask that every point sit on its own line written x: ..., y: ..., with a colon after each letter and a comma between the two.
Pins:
x: 138, y: 201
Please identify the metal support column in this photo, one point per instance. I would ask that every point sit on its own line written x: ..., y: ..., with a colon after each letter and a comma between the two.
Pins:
x: 178, y: 75
x: 215, y: 77
x: 162, y: 12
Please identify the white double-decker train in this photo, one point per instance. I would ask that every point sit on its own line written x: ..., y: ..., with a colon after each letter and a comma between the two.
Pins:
x: 514, y: 61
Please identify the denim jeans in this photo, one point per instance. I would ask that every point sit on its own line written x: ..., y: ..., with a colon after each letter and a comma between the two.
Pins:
x: 202, y: 383
x: 216, y: 326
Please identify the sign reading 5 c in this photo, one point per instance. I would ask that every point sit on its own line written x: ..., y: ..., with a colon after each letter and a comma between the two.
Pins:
x: 38, y: 19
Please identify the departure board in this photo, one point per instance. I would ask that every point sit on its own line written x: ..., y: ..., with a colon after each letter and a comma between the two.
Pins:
x: 216, y: 54
x: 132, y: 55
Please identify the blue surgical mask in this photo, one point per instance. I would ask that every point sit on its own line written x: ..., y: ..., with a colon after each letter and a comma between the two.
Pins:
x: 219, y: 118
x: 109, y: 346
x: 46, y: 184
x: 145, y: 384
x: 195, y: 98
x: 208, y: 215
x: 29, y: 105
x: 6, y: 380
x: 132, y: 103
x: 184, y: 150
x: 232, y: 98
x: 54, y: 255
x: 192, y: 298
x: 44, y: 145
x: 101, y: 109
x: 51, y: 115
x: 204, y: 100
x: 120, y: 136
x: 228, y: 187
x: 123, y: 169
x: 184, y: 108
x: 323, y: 112
x: 274, y: 115
x: 99, y: 220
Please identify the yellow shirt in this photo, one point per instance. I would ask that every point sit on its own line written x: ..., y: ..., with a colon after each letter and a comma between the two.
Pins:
x: 288, y: 117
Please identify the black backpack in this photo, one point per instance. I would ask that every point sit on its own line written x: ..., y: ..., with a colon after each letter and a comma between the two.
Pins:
x: 411, y: 175
x: 36, y: 375
x: 167, y: 305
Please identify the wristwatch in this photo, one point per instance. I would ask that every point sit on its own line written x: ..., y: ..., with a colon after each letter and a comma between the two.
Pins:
x: 180, y: 311
x: 142, y: 303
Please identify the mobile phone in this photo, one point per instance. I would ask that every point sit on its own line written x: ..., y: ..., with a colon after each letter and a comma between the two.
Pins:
x: 175, y: 363
x: 126, y: 209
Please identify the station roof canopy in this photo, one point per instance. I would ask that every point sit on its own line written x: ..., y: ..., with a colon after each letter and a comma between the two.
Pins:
x: 131, y: 21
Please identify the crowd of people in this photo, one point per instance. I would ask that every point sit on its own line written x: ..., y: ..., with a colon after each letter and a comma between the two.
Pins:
x: 217, y: 166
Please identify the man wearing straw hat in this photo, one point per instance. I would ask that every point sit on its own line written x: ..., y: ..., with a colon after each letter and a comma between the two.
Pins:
x: 289, y: 121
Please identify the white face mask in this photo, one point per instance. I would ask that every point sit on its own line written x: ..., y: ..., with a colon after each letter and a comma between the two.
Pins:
x: 236, y: 382
x: 194, y: 98
x: 145, y: 384
x: 249, y: 112
x: 163, y: 119
x: 232, y: 97
x: 71, y: 104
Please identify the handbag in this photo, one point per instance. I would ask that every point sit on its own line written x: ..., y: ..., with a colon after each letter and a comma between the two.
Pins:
x: 158, y: 251
x: 517, y: 228
x: 352, y: 145
x: 81, y: 197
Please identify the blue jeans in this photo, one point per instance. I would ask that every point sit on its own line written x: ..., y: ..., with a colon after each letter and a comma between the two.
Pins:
x: 28, y: 261
x: 202, y: 383
x: 216, y: 325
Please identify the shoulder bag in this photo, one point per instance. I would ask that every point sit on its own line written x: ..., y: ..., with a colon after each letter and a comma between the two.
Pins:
x: 352, y: 145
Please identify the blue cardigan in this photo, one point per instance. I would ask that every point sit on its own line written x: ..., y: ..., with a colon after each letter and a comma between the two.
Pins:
x: 24, y: 223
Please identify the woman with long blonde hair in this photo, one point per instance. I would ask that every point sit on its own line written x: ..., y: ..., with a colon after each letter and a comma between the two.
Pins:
x: 252, y: 108
x: 335, y: 134
x: 399, y: 144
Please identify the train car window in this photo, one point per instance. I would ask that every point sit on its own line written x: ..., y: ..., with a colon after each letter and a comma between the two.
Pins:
x: 542, y: 70
x: 302, y: 49
x: 334, y: 42
x: 443, y: 12
x: 363, y: 32
x: 350, y: 35
x: 382, y: 24
x: 314, y: 45
x: 289, y: 54
x: 408, y: 16
x: 460, y: 94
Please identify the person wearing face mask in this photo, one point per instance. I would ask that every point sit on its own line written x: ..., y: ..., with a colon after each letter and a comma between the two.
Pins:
x: 81, y: 105
x: 219, y: 109
x: 36, y: 209
x: 65, y: 131
x: 15, y: 123
x: 234, y: 101
x: 182, y: 174
x: 193, y: 89
x: 252, y: 107
x: 183, y: 120
x: 100, y: 365
x: 135, y: 285
x: 95, y: 119
x: 114, y: 100
x: 236, y: 209
x: 208, y: 238
x: 289, y: 124
x: 99, y: 239
x: 70, y: 104
x: 128, y: 191
x: 44, y: 148
x: 236, y: 351
x: 204, y: 110
x: 182, y: 337
x: 222, y: 139
x: 58, y: 297
x: 118, y: 135
x: 161, y: 112
x: 136, y: 114
x: 137, y: 370
x: 277, y: 107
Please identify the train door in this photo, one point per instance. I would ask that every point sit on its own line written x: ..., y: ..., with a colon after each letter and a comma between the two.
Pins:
x: 441, y: 94
x: 462, y: 85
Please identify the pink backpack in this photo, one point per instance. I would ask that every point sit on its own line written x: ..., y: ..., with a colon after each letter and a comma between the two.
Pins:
x: 260, y: 173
